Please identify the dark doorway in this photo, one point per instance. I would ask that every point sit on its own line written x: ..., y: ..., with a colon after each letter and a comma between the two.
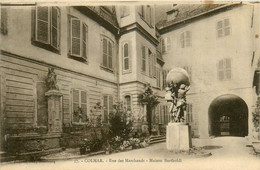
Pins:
x: 228, y: 116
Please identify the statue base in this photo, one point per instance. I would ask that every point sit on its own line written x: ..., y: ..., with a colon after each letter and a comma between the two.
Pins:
x: 178, y: 137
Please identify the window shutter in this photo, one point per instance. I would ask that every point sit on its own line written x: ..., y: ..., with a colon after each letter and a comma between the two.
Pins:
x: 110, y: 104
x: 228, y: 68
x: 168, y: 41
x: 163, y: 45
x: 154, y: 64
x: 182, y: 40
x: 84, y: 105
x: 55, y: 15
x: 150, y: 63
x: 105, y: 52
x: 143, y: 59
x: 3, y: 20
x: 75, y: 37
x: 75, y: 100
x: 110, y: 55
x: 227, y: 27
x: 84, y: 40
x: 220, y: 70
x: 42, y: 24
x: 105, y: 109
x: 220, y: 28
x: 188, y: 38
x: 152, y: 17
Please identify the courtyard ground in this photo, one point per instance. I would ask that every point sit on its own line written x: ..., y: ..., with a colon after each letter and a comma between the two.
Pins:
x: 226, y: 153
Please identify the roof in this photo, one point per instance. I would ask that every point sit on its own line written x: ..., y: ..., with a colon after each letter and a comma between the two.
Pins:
x: 190, y: 11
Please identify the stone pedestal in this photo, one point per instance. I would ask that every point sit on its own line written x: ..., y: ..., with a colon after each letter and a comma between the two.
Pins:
x: 54, y: 111
x: 178, y: 137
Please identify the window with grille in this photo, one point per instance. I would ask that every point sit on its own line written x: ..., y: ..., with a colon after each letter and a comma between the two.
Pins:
x: 108, y: 107
x: 47, y: 28
x: 79, y: 106
x: 185, y: 39
x: 223, y: 28
x: 107, y: 53
x: 224, y: 69
x: 78, y: 39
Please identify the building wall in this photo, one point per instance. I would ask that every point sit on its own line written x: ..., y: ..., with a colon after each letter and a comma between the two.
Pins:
x: 203, y: 57
x: 24, y: 68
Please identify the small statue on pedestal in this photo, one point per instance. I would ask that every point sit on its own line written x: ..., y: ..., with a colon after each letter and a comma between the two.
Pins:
x: 51, y: 80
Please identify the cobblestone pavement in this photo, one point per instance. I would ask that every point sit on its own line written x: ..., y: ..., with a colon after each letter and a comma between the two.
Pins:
x: 227, y: 153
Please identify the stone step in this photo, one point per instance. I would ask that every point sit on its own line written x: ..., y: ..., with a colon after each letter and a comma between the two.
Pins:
x: 157, y: 139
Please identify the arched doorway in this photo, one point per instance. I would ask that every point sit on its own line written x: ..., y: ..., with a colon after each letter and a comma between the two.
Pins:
x: 228, y: 116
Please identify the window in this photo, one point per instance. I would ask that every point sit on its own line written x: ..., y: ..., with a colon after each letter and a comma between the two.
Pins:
x: 78, y: 38
x: 189, y: 116
x: 223, y: 28
x: 185, y: 39
x: 108, y: 107
x: 143, y: 59
x: 126, y: 57
x: 164, y: 75
x: 224, y: 69
x: 166, y: 44
x: 158, y: 77
x: 107, y: 53
x: 146, y: 13
x: 128, y: 103
x: 151, y: 60
x: 47, y: 28
x: 163, y: 114
x: 79, y: 106
x: 3, y: 20
x: 125, y: 11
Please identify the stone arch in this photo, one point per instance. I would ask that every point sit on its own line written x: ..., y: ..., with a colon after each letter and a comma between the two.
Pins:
x: 228, y: 115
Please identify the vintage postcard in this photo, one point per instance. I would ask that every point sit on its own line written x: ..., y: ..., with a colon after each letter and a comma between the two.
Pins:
x: 130, y: 85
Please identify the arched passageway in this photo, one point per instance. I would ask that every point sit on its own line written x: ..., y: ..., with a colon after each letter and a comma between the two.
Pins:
x: 228, y: 116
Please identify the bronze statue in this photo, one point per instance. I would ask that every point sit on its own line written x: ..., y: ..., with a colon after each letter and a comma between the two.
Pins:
x: 178, y: 86
x: 51, y: 80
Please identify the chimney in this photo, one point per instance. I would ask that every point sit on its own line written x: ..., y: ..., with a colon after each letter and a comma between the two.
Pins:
x: 172, y: 13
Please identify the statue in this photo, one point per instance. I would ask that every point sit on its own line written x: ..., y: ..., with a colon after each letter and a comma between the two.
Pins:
x: 51, y: 80
x: 178, y: 86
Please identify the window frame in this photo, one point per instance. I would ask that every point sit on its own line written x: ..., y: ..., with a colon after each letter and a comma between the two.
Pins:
x: 112, y: 53
x: 129, y: 57
x: 42, y: 44
x: 223, y: 28
x: 82, y: 24
x: 109, y: 96
x: 185, y: 41
x: 80, y: 103
x: 224, y: 69
x: 125, y: 102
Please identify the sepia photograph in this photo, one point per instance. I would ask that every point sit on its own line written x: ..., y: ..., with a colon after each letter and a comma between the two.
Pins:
x: 129, y: 85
